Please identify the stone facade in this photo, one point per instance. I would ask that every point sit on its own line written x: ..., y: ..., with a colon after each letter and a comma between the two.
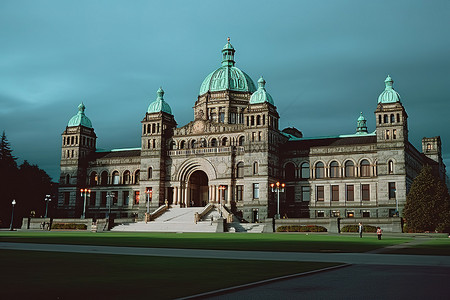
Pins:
x: 233, y: 151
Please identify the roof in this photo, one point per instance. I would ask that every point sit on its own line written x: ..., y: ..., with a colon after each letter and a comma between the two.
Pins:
x: 80, y: 118
x: 126, y: 152
x: 159, y: 105
x: 261, y: 95
x: 331, y: 141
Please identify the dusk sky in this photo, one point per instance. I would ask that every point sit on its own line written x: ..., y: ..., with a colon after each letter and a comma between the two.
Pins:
x: 324, y: 63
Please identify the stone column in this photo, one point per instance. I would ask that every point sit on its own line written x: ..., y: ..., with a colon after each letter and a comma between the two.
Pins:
x: 228, y: 202
x: 180, y: 195
x: 175, y: 200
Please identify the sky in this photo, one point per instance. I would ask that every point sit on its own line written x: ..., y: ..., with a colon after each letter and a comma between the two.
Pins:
x: 324, y: 62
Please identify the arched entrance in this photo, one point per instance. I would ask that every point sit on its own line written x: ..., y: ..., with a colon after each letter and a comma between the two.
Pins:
x: 198, y: 189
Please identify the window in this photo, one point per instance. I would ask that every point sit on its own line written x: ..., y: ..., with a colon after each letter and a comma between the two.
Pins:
x: 386, y: 119
x: 126, y: 177
x: 349, y: 169
x: 103, y: 199
x: 429, y: 147
x: 93, y: 179
x: 203, y: 143
x: 115, y: 198
x: 366, y: 214
x: 365, y: 168
x: 148, y: 194
x: 320, y: 214
x: 193, y: 144
x: 394, y: 134
x: 240, y: 170
x: 66, y: 198
x: 350, y: 214
x: 387, y: 134
x: 256, y: 191
x: 335, y: 213
x: 255, y: 168
x: 392, y: 190
x: 172, y: 145
x: 137, y: 197
x: 241, y: 141
x: 334, y: 193
x: 305, y: 170
x: 289, y: 171
x: 365, y: 192
x: 350, y: 192
x: 68, y: 179
x: 258, y: 120
x: 239, y: 192
x: 115, y: 177
x: 150, y: 173
x: 104, y: 178
x: 379, y: 119
x: 126, y: 198
x: 92, y: 199
x: 334, y: 169
x: 320, y: 170
x: 398, y: 118
x: 224, y: 141
x: 252, y: 120
x: 320, y: 193
x: 392, y: 118
x: 306, y: 196
x: 221, y: 117
x: 390, y: 167
x: 213, y: 143
x: 137, y: 178
x: 182, y: 145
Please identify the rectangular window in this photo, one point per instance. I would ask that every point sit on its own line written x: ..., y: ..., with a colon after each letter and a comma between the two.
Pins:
x: 148, y: 194
x: 239, y: 192
x: 320, y: 214
x: 126, y: 198
x: 137, y: 197
x: 394, y: 134
x: 365, y: 192
x: 306, y: 196
x: 92, y: 199
x: 103, y: 199
x: 222, y: 117
x: 335, y: 213
x: 115, y: 197
x: 366, y: 214
x: 350, y: 193
x: 392, y: 190
x: 66, y: 198
x: 350, y: 214
x: 387, y: 134
x: 320, y: 193
x: 334, y: 193
x: 256, y: 191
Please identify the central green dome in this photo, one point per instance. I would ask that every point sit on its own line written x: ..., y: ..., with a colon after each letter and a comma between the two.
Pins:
x: 227, y: 77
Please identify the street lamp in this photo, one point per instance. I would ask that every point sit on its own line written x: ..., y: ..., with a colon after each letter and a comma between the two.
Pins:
x: 47, y: 200
x: 222, y: 188
x: 12, y: 215
x: 277, y: 188
x: 85, y: 193
x: 109, y: 196
x: 149, y: 192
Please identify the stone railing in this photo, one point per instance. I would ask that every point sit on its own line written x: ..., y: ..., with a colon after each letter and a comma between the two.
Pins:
x: 158, y: 212
x: 208, y: 150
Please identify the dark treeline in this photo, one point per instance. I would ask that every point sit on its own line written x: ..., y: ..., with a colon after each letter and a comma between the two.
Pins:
x: 27, y: 184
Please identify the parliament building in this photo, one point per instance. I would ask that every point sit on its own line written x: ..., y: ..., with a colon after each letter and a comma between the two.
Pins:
x: 233, y: 151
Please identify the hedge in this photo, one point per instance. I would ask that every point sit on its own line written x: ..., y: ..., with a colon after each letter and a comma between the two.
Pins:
x: 73, y: 226
x: 354, y: 228
x: 300, y: 228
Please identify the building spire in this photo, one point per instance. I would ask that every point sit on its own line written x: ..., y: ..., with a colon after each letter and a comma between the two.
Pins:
x: 361, y: 125
x: 228, y: 54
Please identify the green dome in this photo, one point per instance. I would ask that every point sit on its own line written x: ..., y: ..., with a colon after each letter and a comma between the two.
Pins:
x: 227, y: 77
x: 159, y: 105
x: 389, y: 95
x: 80, y: 118
x: 361, y: 125
x: 261, y: 96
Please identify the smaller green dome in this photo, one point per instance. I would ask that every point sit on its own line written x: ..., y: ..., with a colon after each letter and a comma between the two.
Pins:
x: 261, y: 95
x: 361, y: 125
x: 80, y: 118
x: 159, y: 105
x: 389, y: 95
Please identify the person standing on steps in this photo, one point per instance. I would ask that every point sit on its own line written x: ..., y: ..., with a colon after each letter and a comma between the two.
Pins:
x: 379, y: 232
x: 360, y: 229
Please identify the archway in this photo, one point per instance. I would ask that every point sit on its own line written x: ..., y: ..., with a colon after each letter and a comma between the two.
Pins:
x: 198, y: 189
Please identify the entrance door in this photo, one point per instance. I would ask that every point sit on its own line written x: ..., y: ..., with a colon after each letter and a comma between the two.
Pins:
x: 255, y: 216
x: 198, y: 185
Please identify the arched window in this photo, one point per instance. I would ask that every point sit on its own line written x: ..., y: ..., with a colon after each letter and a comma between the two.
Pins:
x: 93, y: 179
x: 365, y: 168
x: 392, y: 118
x: 258, y: 120
x: 240, y: 170
x: 68, y: 179
x: 182, y: 145
x: 379, y: 119
x: 349, y: 169
x: 241, y: 141
x: 386, y: 119
x: 252, y: 120
x: 203, y: 143
x: 390, y: 167
x: 320, y: 173
x: 428, y: 147
x: 172, y: 145
x: 224, y: 141
x: 150, y: 173
x: 115, y: 177
x: 334, y: 169
x: 193, y: 144
x: 289, y: 171
x: 304, y: 173
x: 213, y: 143
x: 398, y: 118
x: 255, y: 167
x: 104, y: 178
x: 126, y: 177
x: 137, y: 177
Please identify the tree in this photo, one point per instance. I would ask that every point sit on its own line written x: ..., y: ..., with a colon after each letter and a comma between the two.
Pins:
x: 427, y: 203
x: 7, y: 160
x: 8, y: 180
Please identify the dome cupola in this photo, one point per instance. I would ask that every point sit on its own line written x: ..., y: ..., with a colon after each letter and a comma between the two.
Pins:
x: 159, y: 105
x: 261, y: 95
x: 80, y: 118
x: 389, y: 95
x: 227, y: 77
x: 361, y: 125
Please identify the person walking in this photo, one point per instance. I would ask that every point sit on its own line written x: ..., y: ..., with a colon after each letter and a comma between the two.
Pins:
x: 379, y: 233
x: 360, y: 229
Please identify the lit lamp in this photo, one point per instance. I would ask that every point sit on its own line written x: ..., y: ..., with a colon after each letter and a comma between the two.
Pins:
x: 277, y: 188
x: 222, y: 188
x: 12, y: 215
x: 47, y: 200
x: 85, y: 193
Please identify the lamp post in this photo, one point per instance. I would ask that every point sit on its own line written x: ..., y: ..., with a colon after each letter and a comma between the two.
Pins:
x: 85, y: 193
x: 222, y: 195
x: 109, y: 196
x: 149, y: 192
x: 396, y: 203
x: 47, y: 200
x: 12, y: 215
x: 277, y: 188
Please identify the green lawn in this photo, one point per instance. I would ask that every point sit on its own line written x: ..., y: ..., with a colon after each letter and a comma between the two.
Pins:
x: 437, y: 246
x: 225, y: 241
x: 47, y: 275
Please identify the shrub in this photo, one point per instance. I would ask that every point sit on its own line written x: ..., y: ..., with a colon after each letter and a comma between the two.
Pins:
x: 354, y: 228
x: 69, y: 226
x: 301, y: 228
